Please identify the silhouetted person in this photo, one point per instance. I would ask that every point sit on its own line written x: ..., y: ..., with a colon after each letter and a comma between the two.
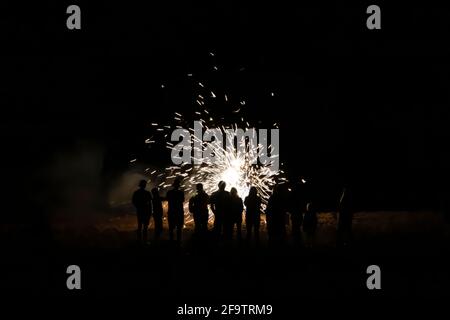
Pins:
x: 252, y: 213
x: 276, y: 215
x: 157, y: 212
x: 297, y: 208
x: 345, y: 218
x: 175, y: 213
x: 220, y: 206
x: 198, y: 206
x: 142, y: 201
x: 234, y: 216
x: 310, y: 224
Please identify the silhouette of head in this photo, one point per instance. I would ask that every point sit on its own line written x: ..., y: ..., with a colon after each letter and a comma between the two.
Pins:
x: 309, y: 207
x: 142, y: 184
x: 253, y: 192
x: 222, y: 185
x: 155, y: 192
x: 176, y: 183
x: 233, y: 192
x: 199, y: 187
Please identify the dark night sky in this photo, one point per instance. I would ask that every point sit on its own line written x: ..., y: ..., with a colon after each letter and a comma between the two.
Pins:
x: 369, y: 106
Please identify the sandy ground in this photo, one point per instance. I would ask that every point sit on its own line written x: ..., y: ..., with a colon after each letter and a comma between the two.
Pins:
x: 118, y: 230
x: 410, y: 247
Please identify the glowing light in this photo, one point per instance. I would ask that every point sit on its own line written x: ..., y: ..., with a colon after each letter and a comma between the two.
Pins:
x: 229, y: 166
x: 231, y: 176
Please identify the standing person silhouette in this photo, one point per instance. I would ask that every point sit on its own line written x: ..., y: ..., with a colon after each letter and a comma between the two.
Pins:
x: 310, y: 224
x: 142, y: 201
x: 220, y: 205
x: 198, y: 206
x: 252, y: 213
x: 276, y: 212
x: 157, y: 212
x: 175, y: 200
x: 297, y: 208
x: 345, y: 218
x: 234, y: 216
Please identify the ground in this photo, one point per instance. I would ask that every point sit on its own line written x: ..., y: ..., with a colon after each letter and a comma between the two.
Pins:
x: 410, y: 248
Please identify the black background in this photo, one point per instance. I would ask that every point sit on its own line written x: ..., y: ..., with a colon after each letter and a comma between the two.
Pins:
x: 366, y: 106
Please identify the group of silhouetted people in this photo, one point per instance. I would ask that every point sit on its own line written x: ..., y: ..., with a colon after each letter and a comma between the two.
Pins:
x: 147, y: 205
x: 228, y: 208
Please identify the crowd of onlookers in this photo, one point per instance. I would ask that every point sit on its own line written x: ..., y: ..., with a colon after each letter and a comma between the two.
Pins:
x: 228, y: 209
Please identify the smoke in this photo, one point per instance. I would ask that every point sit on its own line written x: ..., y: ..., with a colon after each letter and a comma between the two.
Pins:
x: 75, y: 183
x: 121, y: 190
x: 79, y: 191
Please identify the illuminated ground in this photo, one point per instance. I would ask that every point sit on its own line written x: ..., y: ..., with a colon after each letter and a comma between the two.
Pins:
x: 118, y: 231
x: 410, y: 247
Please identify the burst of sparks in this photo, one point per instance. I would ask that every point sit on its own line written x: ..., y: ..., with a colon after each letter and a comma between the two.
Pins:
x: 229, y: 166
x: 233, y: 168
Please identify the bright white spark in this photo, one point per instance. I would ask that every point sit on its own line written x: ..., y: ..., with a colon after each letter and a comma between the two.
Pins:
x: 229, y: 166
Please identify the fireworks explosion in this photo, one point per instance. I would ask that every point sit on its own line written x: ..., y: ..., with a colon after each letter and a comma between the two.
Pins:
x: 235, y: 168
